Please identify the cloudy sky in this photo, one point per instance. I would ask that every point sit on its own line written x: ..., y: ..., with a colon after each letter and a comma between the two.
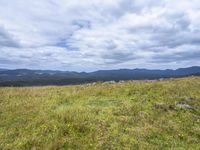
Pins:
x: 87, y: 35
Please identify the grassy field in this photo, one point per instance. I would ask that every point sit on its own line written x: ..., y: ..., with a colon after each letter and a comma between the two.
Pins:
x: 103, y: 116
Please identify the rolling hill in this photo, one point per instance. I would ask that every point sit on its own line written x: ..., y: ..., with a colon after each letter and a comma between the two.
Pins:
x: 25, y: 77
x: 147, y: 115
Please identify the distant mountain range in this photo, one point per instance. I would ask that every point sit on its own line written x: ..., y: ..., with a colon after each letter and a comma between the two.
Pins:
x: 25, y: 77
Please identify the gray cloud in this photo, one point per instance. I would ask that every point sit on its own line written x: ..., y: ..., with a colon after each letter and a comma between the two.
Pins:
x: 185, y: 53
x: 6, y: 39
x: 95, y: 34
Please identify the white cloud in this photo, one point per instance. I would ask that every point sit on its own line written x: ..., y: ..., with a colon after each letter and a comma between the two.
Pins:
x: 95, y: 34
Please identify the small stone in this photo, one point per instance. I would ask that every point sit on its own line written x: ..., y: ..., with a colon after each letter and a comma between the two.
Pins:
x: 183, y: 106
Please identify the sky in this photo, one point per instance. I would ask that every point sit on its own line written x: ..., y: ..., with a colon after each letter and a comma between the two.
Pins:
x: 88, y: 35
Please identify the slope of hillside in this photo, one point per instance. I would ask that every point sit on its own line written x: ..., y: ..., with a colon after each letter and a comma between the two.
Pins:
x: 126, y: 115
x: 24, y: 77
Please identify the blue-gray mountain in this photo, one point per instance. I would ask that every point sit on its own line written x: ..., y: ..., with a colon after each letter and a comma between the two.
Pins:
x: 25, y: 77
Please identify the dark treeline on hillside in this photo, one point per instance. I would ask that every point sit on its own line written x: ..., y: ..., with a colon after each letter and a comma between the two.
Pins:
x: 24, y: 77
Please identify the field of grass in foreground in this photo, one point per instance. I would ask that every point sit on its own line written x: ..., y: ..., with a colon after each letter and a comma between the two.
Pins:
x: 130, y: 115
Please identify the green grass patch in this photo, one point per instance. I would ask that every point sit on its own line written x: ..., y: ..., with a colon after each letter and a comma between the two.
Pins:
x: 129, y: 115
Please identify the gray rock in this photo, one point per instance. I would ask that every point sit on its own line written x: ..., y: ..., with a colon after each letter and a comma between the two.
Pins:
x: 183, y: 106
